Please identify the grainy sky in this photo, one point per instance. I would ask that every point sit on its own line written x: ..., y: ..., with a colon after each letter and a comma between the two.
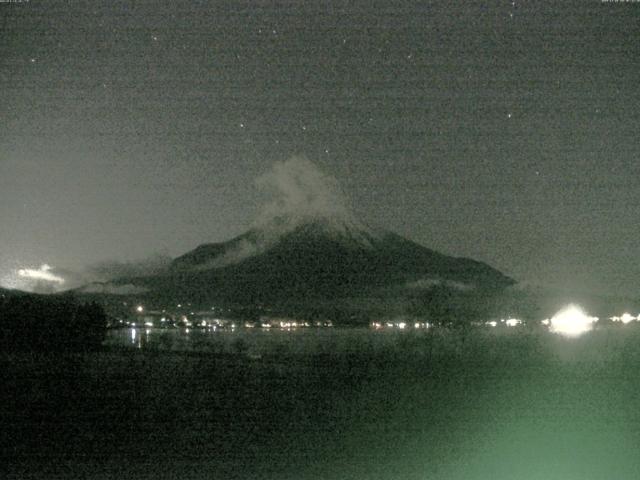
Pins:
x: 505, y: 131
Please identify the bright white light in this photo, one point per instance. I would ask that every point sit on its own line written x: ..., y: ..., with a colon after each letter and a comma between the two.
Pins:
x: 139, y: 309
x: 572, y: 321
x: 43, y: 273
x: 492, y: 323
x: 402, y: 325
x: 513, y: 322
x: 626, y: 318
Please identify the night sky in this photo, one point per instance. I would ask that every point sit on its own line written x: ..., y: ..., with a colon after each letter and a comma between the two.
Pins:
x: 502, y: 131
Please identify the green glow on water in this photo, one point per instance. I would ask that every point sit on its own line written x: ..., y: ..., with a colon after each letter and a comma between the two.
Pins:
x: 504, y: 405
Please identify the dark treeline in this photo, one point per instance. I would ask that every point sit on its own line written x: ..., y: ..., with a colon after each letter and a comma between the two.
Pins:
x: 50, y: 323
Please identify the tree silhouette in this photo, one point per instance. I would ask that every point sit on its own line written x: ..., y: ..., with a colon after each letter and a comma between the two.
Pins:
x: 50, y: 323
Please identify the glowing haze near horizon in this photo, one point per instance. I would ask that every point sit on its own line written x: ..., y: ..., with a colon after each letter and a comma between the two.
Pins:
x: 501, y: 131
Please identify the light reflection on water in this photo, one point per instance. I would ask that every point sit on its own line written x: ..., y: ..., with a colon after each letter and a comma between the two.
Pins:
x: 250, y: 341
x: 598, y: 345
x: 499, y: 420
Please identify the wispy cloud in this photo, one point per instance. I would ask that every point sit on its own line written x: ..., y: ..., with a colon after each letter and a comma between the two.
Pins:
x: 50, y: 279
x: 114, y: 269
x: 300, y: 192
x: 42, y: 274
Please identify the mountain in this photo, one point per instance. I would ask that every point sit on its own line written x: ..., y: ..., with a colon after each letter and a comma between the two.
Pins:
x: 311, y: 262
x: 314, y: 258
x: 8, y: 293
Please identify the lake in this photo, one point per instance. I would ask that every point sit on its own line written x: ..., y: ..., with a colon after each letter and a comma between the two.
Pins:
x: 327, y: 404
x: 257, y: 341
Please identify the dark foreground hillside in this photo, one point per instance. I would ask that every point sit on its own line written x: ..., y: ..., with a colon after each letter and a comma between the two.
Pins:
x: 488, y: 407
x: 39, y: 323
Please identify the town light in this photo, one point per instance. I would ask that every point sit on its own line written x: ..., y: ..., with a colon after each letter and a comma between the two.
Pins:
x: 626, y: 318
x: 571, y: 321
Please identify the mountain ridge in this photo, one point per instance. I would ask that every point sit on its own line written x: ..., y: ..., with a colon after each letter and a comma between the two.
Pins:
x: 313, y: 233
x: 309, y: 263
